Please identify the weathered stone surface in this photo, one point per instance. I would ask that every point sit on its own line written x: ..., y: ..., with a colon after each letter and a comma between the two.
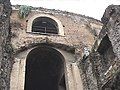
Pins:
x: 5, y: 46
x: 105, y: 57
x: 113, y: 25
x: 87, y: 74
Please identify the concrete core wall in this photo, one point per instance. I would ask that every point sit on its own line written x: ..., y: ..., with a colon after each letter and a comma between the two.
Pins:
x: 100, y: 70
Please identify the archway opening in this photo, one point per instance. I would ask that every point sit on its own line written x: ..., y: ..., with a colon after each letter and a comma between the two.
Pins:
x: 45, y: 25
x: 44, y: 70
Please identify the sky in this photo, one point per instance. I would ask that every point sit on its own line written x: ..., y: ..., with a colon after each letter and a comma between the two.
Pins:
x: 91, y: 8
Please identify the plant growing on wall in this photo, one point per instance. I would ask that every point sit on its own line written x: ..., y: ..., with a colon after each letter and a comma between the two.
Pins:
x: 24, y: 11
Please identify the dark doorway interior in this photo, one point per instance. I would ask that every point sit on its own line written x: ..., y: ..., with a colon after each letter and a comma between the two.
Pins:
x: 44, y: 70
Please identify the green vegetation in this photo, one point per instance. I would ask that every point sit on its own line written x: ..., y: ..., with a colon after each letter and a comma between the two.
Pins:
x: 24, y: 11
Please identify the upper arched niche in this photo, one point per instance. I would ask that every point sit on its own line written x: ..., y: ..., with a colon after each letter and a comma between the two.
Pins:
x: 46, y: 24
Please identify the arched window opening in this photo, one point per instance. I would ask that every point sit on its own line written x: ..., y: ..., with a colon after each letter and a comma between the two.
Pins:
x: 45, y: 70
x: 45, y: 25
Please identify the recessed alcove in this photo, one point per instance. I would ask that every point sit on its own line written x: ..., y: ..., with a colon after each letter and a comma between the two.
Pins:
x: 45, y: 25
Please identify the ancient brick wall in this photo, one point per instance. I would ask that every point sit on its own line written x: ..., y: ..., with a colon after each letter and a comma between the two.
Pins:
x: 79, y: 31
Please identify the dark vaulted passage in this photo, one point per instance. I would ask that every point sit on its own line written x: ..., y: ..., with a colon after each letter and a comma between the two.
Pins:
x: 44, y: 70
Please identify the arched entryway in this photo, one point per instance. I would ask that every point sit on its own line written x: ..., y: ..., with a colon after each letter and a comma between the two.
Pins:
x: 44, y: 70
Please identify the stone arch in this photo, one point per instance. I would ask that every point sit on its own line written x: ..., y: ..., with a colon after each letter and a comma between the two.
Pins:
x: 71, y: 71
x: 63, y: 47
x: 59, y: 24
x: 44, y: 69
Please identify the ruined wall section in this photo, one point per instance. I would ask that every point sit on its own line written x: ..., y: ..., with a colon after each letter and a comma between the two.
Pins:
x: 88, y: 74
x: 106, y: 52
x: 113, y: 27
x: 5, y: 45
x: 101, y: 65
x: 79, y: 31
x: 113, y: 31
